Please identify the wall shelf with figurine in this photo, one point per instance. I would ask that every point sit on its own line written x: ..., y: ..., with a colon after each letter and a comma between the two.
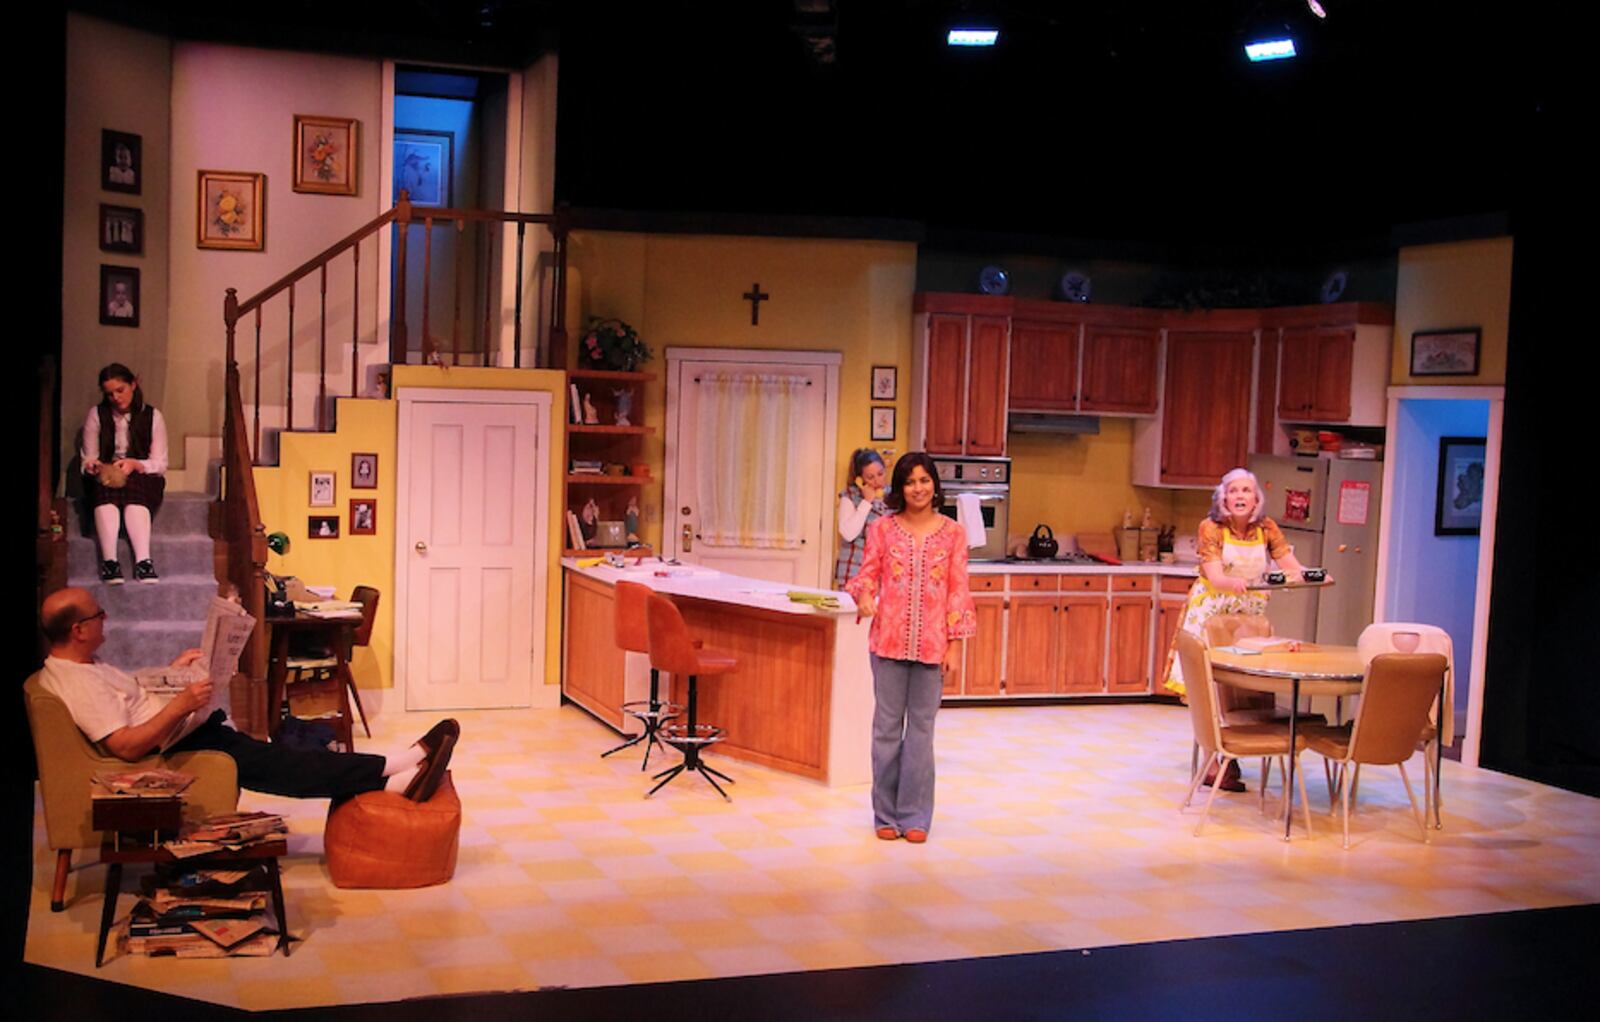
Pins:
x: 605, y: 470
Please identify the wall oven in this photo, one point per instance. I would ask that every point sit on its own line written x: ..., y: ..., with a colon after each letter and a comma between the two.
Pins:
x: 989, y: 479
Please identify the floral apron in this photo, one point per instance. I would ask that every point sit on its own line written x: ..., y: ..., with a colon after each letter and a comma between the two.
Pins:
x: 1241, y: 558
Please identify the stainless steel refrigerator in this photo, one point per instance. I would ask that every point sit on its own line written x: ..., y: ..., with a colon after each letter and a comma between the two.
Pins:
x: 1328, y: 510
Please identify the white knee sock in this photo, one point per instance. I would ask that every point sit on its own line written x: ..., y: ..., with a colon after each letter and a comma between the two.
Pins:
x: 396, y: 762
x: 137, y: 520
x: 398, y: 783
x: 107, y: 523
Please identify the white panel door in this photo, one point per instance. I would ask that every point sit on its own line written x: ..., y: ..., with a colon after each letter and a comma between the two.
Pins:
x: 806, y: 455
x: 472, y: 498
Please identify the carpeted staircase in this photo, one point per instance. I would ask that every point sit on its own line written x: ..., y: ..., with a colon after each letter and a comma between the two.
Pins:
x: 150, y: 624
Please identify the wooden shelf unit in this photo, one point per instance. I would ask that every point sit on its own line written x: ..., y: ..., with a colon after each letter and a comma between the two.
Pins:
x: 622, y: 445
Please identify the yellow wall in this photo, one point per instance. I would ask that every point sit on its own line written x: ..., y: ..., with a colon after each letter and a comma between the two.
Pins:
x: 852, y: 297
x: 284, y: 495
x: 1456, y: 284
x: 349, y: 561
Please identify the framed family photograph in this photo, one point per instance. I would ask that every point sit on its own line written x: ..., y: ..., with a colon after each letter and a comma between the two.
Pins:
x: 423, y: 162
x: 1446, y: 352
x: 326, y: 151
x: 885, y: 383
x: 119, y: 295
x: 121, y: 229
x: 1458, y: 505
x: 322, y: 527
x: 883, y: 424
x: 121, y: 161
x: 363, y: 471
x: 232, y: 210
x: 322, y: 489
x: 364, y: 516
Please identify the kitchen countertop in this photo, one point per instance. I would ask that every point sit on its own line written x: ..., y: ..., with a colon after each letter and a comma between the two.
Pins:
x: 709, y: 584
x: 1064, y: 568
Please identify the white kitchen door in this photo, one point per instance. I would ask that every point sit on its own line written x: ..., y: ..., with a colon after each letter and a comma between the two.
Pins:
x: 750, y: 451
x: 468, y: 552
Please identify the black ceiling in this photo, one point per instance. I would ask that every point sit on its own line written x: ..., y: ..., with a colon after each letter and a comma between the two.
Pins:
x: 1118, y: 120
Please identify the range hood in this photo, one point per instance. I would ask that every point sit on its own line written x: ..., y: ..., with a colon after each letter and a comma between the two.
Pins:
x: 1053, y: 422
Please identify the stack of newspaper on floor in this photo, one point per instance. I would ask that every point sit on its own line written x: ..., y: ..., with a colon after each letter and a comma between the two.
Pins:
x: 192, y: 910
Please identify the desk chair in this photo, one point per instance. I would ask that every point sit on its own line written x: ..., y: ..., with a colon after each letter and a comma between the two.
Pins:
x: 315, y: 672
x: 1407, y: 637
x: 673, y: 650
x: 68, y: 761
x: 632, y: 629
x: 1395, y: 697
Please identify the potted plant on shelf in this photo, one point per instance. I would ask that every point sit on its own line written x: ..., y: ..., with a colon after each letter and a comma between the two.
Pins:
x: 612, y: 344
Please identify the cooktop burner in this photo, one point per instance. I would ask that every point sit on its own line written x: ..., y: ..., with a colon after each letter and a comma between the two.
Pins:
x: 1066, y: 558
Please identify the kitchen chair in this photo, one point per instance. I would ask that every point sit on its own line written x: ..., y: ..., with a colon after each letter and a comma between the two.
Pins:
x: 67, y: 765
x: 1238, y: 741
x: 1241, y: 706
x: 631, y: 626
x: 1407, y: 637
x: 1395, y: 697
x: 673, y: 650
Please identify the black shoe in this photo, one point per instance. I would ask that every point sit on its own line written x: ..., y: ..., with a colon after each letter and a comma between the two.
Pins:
x: 111, y: 573
x: 440, y: 743
x: 145, y: 571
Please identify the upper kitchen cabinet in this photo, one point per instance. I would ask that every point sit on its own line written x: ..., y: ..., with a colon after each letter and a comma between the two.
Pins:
x: 1044, y: 365
x: 1332, y: 362
x: 1120, y: 369
x: 1084, y: 359
x: 959, y: 371
x: 1204, y: 426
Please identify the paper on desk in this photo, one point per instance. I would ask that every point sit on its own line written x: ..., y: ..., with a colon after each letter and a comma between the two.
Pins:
x: 1237, y: 650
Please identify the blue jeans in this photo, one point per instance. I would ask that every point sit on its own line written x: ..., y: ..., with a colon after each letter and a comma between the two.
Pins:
x: 908, y: 695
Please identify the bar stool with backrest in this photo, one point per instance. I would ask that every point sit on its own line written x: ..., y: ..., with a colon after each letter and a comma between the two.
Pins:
x: 674, y: 650
x: 631, y: 626
x: 1396, y: 695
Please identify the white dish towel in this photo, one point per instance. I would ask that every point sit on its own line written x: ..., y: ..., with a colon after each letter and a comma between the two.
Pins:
x: 969, y: 515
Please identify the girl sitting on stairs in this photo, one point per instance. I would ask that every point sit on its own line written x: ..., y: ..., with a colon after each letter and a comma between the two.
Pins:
x: 124, y: 454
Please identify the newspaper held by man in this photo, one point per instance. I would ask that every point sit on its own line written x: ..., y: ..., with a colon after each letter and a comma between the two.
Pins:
x: 228, y: 628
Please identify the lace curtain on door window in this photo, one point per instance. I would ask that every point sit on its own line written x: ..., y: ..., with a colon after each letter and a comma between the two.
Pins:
x: 748, y: 492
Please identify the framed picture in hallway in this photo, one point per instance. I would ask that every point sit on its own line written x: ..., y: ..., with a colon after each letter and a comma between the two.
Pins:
x: 882, y: 424
x: 121, y: 159
x: 423, y: 161
x: 364, y: 516
x: 326, y: 151
x: 322, y: 527
x: 885, y: 383
x: 322, y: 491
x: 231, y: 213
x: 121, y: 229
x: 1458, y: 505
x: 119, y: 295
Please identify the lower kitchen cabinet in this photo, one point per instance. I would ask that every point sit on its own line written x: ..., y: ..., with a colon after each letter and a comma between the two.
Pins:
x: 981, y: 669
x: 1128, y: 667
x: 1082, y: 644
x: 1031, y: 645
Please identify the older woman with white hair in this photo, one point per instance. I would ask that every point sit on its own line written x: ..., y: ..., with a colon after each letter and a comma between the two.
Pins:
x: 1237, y: 539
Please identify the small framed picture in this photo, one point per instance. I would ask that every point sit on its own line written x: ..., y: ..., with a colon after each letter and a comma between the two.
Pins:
x: 1446, y: 352
x: 423, y: 162
x: 121, y: 160
x: 885, y: 383
x: 325, y: 153
x: 364, y: 516
x: 232, y: 210
x: 363, y: 471
x: 121, y: 229
x: 882, y: 424
x: 1458, y: 505
x: 119, y: 295
x: 322, y: 527
x: 322, y: 492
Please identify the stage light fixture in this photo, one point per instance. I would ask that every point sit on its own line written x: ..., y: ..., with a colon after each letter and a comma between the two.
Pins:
x: 973, y: 37
x: 1270, y: 49
x: 1316, y: 8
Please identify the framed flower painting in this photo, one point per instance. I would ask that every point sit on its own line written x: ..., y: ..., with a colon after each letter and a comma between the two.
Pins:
x: 326, y: 151
x: 232, y: 210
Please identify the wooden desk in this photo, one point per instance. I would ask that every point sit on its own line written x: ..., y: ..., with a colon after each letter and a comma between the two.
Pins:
x: 334, y: 632
x: 1313, y: 671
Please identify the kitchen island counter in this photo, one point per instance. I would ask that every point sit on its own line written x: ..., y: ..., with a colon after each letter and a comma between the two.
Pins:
x: 1067, y: 568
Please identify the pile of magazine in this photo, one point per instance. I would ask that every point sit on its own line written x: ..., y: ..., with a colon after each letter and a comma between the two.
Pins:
x: 201, y: 913
x: 226, y: 832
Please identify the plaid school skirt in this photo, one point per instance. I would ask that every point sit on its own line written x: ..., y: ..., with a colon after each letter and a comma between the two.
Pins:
x: 142, y: 488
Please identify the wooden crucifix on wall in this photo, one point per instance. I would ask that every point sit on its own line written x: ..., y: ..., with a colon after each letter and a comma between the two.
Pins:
x: 755, y: 296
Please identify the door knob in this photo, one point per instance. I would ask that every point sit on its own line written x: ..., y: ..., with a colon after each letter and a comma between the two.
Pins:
x: 422, y: 547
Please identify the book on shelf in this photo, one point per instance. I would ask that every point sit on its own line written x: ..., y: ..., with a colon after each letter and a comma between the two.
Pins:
x: 577, y: 405
x: 575, y: 532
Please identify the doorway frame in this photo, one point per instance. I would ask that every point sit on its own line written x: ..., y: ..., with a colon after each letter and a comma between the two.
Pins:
x: 1496, y: 398
x: 830, y: 362
x: 541, y: 693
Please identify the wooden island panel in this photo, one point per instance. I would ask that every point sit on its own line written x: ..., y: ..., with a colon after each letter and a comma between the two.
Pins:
x: 593, y: 663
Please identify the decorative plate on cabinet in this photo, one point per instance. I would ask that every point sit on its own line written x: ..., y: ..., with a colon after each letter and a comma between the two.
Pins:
x: 992, y: 280
x: 1075, y: 286
x: 1333, y: 287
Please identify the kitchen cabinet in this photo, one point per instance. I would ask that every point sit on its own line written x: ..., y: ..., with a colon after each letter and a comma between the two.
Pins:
x: 960, y: 371
x: 1044, y: 366
x: 1120, y: 369
x: 1082, y: 638
x: 1314, y: 374
x: 982, y: 666
x: 1170, y: 605
x: 1128, y: 645
x: 1031, y: 624
x: 1204, y: 427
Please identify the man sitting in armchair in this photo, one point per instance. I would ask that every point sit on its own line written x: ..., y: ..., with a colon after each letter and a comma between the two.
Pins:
x: 111, y: 709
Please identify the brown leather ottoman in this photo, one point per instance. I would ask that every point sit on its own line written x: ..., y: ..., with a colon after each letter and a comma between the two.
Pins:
x: 381, y: 839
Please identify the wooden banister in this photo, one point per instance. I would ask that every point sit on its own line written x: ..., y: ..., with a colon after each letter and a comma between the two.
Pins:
x: 246, y: 542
